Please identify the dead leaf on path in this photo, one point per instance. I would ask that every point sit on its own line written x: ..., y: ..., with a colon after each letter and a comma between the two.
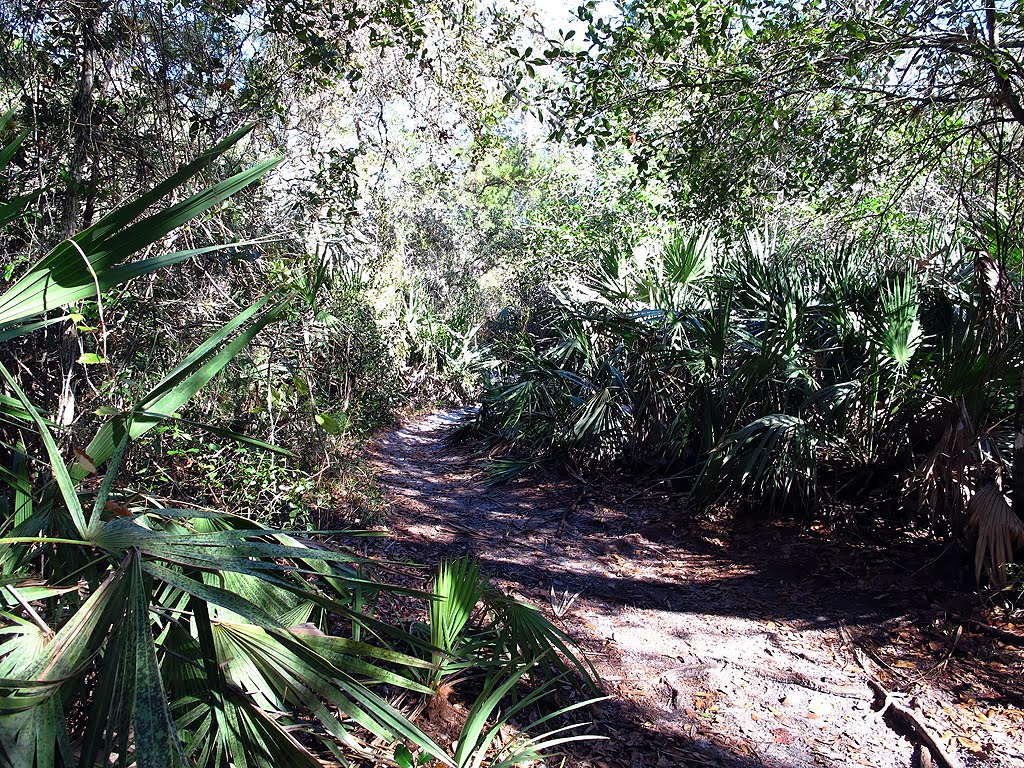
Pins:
x: 969, y: 744
x: 820, y: 708
x: 782, y: 736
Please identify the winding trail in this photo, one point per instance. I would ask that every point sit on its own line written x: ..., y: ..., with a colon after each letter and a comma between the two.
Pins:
x: 718, y: 650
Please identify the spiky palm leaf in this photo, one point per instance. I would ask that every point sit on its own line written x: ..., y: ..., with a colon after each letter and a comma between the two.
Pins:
x: 175, y: 637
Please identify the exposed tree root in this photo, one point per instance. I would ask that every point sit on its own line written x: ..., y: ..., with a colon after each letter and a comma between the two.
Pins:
x: 1000, y: 634
x: 910, y: 717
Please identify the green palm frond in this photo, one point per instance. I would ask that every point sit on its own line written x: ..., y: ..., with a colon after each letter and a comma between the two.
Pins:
x: 525, y: 634
x: 457, y: 590
x: 486, y: 721
x: 898, y: 328
x: 93, y: 260
x: 771, y: 456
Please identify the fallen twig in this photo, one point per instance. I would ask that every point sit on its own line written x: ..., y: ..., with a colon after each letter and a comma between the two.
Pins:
x: 1000, y: 634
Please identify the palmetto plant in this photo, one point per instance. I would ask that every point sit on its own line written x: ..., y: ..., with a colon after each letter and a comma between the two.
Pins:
x: 476, y: 629
x: 760, y: 367
x: 473, y: 623
x: 165, y: 635
x: 598, y: 380
x: 138, y: 632
x: 485, y: 723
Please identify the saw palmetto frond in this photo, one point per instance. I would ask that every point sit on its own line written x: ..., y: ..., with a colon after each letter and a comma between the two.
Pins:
x: 1000, y: 531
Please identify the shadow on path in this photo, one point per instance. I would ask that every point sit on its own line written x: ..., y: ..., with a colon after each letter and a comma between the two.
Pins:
x: 718, y: 649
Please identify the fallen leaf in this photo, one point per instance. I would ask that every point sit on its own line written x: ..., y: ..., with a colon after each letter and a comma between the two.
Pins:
x: 820, y: 707
x: 118, y: 510
x: 83, y: 459
x: 782, y: 736
x: 967, y: 743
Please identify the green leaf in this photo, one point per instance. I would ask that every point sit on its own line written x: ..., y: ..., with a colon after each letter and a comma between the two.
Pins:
x: 458, y: 588
x: 403, y: 756
x: 212, y: 594
x: 75, y: 268
x: 60, y: 470
x: 23, y: 487
x: 156, y: 736
x: 7, y: 153
x: 218, y: 431
x: 15, y: 207
x: 187, y: 378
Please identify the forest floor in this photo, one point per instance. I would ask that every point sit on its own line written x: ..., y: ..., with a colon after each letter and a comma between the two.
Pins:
x: 723, y: 643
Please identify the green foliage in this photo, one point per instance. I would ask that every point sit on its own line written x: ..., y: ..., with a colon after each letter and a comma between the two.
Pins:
x: 1011, y: 595
x: 140, y: 631
x: 248, y: 480
x: 457, y: 590
x: 475, y: 628
x: 734, y: 103
x: 507, y: 630
x: 484, y: 723
x: 777, y: 371
x: 163, y: 586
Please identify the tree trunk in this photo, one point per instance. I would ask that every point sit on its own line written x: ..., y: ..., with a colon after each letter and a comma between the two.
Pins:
x: 1017, y: 498
x: 82, y: 108
x: 83, y: 153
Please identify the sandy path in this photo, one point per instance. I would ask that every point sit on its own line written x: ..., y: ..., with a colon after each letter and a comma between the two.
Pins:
x: 723, y: 653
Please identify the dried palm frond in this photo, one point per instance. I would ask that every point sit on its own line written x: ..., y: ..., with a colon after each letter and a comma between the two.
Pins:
x: 1000, y: 531
x: 998, y: 302
x: 943, y: 479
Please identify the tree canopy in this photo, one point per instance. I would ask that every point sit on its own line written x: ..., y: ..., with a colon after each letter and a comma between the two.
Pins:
x: 754, y: 254
x: 731, y: 102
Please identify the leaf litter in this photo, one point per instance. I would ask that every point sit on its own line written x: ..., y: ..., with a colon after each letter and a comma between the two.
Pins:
x: 722, y: 643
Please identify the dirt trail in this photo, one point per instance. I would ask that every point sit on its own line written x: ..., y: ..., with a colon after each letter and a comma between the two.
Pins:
x: 717, y: 651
